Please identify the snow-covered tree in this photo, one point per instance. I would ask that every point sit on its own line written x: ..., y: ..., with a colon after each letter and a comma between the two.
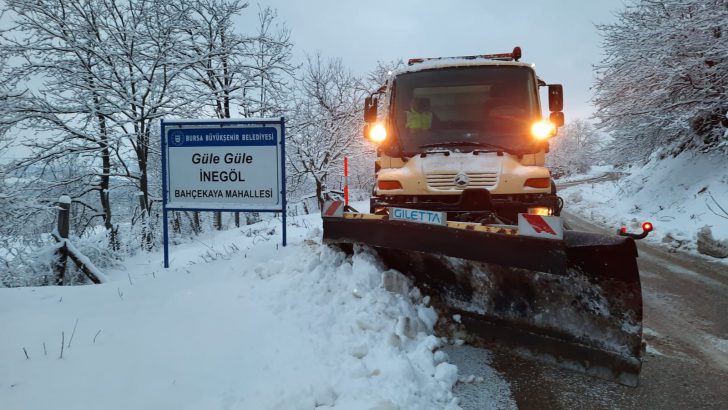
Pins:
x: 377, y: 77
x: 107, y: 72
x: 57, y: 44
x: 219, y: 72
x: 575, y: 149
x: 90, y: 81
x: 663, y: 84
x: 141, y: 70
x: 327, y: 126
x: 268, y: 52
x: 232, y: 69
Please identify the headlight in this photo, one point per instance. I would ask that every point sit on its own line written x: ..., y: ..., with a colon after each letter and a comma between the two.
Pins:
x: 540, y: 210
x: 543, y: 130
x: 377, y: 133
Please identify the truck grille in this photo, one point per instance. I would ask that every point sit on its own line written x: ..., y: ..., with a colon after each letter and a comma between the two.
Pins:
x: 446, y: 181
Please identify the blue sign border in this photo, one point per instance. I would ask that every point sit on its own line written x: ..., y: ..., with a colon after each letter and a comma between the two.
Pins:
x: 221, y: 123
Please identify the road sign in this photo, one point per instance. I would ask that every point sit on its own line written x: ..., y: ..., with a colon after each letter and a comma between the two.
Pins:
x: 223, y: 165
x: 227, y: 165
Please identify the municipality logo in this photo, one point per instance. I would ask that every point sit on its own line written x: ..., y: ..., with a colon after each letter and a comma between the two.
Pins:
x: 176, y: 138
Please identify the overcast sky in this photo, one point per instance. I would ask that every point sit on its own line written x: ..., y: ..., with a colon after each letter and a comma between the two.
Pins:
x: 558, y: 36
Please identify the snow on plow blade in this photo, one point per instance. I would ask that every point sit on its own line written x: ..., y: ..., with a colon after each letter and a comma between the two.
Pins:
x: 575, y: 302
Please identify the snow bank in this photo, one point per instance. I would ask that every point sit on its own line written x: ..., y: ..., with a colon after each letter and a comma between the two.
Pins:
x: 235, y: 324
x: 679, y: 195
x: 707, y: 245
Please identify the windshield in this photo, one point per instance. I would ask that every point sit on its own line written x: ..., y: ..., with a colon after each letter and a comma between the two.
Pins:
x: 466, y: 107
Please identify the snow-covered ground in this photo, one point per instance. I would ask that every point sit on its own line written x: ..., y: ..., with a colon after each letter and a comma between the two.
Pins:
x: 675, y: 194
x: 237, y: 322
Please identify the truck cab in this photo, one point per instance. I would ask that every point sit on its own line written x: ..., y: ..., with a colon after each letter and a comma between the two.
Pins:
x: 464, y: 135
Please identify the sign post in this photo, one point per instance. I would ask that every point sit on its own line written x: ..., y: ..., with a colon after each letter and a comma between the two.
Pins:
x: 223, y: 165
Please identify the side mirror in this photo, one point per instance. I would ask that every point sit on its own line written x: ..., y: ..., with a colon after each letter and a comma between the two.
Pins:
x: 370, y: 109
x: 557, y: 118
x: 556, y: 97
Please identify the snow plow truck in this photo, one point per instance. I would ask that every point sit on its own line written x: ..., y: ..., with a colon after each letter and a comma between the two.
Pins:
x: 464, y: 205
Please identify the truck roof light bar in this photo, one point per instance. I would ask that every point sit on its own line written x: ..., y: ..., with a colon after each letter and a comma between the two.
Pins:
x: 515, y: 55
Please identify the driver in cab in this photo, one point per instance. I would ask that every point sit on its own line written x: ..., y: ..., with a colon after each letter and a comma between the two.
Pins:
x: 420, y: 116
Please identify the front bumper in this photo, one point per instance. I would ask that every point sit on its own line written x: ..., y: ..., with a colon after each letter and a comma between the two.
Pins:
x: 471, y: 202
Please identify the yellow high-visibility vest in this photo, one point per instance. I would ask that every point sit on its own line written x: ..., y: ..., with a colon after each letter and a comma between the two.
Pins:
x: 419, y: 120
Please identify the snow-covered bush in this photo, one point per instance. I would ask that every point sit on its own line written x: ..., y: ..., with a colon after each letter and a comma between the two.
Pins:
x: 707, y: 245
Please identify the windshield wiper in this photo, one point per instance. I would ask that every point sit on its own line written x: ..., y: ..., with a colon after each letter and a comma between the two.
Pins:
x: 471, y: 144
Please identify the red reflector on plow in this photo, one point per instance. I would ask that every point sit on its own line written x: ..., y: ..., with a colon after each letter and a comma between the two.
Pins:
x: 333, y: 209
x: 540, y: 226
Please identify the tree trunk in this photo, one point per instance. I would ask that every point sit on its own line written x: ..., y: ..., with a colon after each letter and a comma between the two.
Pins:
x: 218, y: 221
x: 147, y: 239
x: 196, y: 226
x: 176, y: 223
x: 104, y: 186
x: 64, y: 217
x: 105, y: 181
x: 319, y: 194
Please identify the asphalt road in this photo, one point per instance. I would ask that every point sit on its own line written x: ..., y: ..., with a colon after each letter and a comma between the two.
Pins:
x: 686, y: 329
x: 607, y: 176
